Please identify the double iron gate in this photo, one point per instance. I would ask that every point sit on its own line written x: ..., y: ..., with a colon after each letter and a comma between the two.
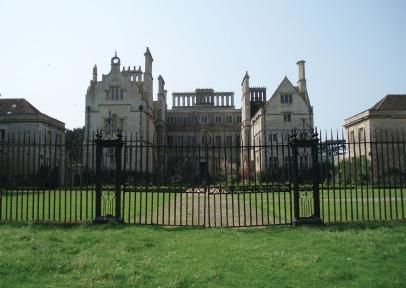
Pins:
x: 251, y: 203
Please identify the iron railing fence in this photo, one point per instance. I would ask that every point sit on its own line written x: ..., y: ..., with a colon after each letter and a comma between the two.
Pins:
x: 360, y: 177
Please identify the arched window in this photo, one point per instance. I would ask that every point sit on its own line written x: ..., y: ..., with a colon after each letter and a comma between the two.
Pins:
x: 113, y: 124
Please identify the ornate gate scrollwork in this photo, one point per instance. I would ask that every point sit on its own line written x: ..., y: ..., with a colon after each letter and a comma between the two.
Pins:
x: 306, y: 179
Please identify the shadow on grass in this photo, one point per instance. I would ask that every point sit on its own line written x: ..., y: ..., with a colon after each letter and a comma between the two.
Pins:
x: 336, y: 227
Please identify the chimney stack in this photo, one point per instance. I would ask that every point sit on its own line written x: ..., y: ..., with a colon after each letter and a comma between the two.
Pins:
x: 95, y: 74
x: 302, y: 77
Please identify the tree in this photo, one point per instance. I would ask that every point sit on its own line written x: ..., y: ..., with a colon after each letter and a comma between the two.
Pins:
x: 354, y: 171
x: 74, y: 144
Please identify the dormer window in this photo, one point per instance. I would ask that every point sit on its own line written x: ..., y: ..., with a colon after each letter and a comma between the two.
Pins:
x: 286, y: 98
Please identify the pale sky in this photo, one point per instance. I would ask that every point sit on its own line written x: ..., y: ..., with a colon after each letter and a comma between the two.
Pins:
x: 355, y: 51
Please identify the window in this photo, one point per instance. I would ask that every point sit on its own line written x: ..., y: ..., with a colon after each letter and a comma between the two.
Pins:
x: 190, y: 140
x: 115, y: 93
x: 288, y: 161
x: 352, y: 136
x: 114, y: 123
x: 58, y: 139
x: 205, y: 139
x: 47, y: 162
x: 237, y: 141
x: 218, y: 140
x: 218, y: 119
x: 204, y: 119
x: 273, y: 137
x: 228, y: 140
x: 238, y: 119
x: 2, y: 134
x: 49, y: 137
x: 170, y: 140
x: 229, y: 119
x: 361, y: 134
x: 273, y: 162
x: 122, y: 124
x: 303, y: 162
x: 287, y: 117
x: 286, y: 99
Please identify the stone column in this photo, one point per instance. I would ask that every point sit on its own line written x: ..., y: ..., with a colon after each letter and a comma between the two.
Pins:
x: 173, y: 100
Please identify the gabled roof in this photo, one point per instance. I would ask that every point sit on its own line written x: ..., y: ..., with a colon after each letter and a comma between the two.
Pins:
x: 391, y: 102
x: 19, y: 109
x: 287, y: 82
x: 17, y: 106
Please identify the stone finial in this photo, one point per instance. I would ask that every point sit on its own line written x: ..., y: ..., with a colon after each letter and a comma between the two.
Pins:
x: 115, y: 60
x: 246, y: 77
x: 148, y: 53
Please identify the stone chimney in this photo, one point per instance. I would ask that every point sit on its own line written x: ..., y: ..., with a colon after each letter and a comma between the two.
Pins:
x: 95, y: 74
x: 302, y: 78
x: 148, y: 76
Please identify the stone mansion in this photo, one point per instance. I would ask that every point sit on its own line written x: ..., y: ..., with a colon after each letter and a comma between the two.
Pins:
x: 124, y: 99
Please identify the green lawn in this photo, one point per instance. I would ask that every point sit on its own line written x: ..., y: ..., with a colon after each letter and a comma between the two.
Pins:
x: 140, y: 256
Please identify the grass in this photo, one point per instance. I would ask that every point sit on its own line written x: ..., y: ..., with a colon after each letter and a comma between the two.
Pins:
x: 140, y: 256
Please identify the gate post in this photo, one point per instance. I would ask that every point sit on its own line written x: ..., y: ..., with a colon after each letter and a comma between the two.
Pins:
x: 117, y: 144
x: 295, y: 143
x: 316, y: 176
x: 118, y: 178
x: 99, y: 155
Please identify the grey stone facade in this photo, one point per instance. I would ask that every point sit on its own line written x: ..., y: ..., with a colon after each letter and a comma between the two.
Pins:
x: 377, y: 135
x: 29, y: 140
x: 198, y: 118
x: 205, y: 117
x: 268, y: 123
x: 123, y: 99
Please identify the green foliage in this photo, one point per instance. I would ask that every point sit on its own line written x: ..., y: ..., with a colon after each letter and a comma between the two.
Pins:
x: 353, y: 171
x: 74, y: 144
x: 46, y: 177
x: 275, y: 175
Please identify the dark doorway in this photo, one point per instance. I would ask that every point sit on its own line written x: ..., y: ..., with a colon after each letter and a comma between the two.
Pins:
x: 204, y: 174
